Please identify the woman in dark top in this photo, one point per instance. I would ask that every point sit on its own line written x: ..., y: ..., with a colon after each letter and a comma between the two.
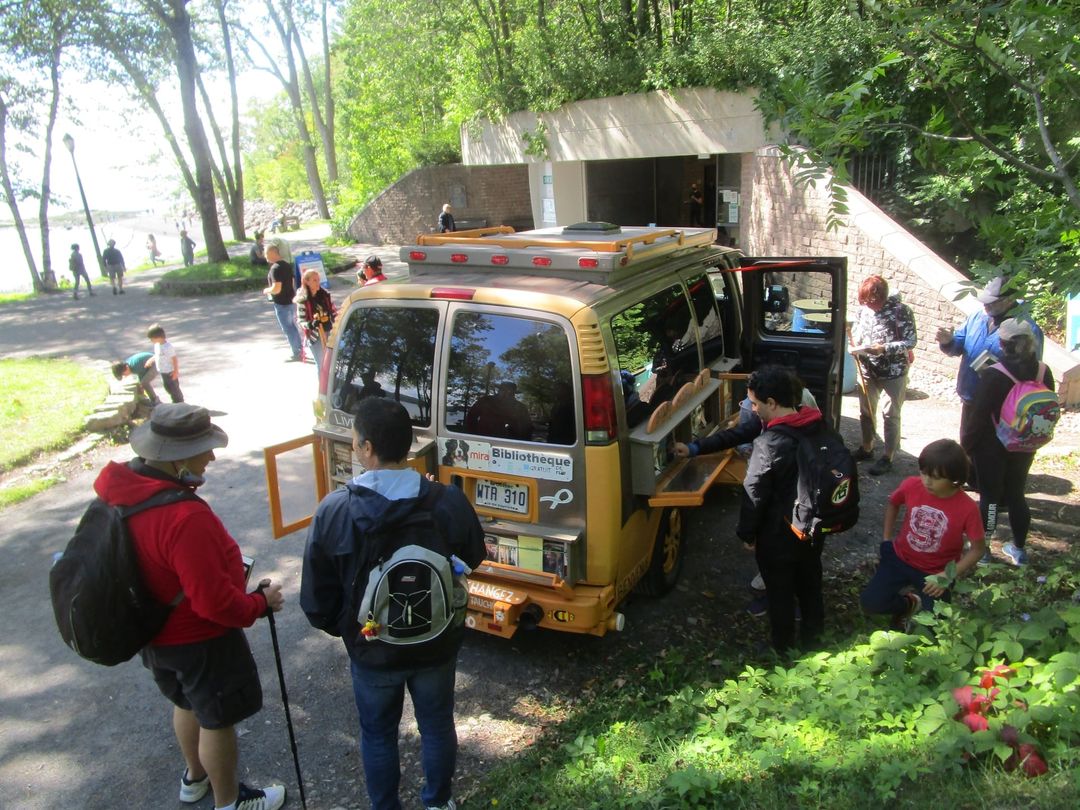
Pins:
x: 1002, y: 474
x: 315, y: 312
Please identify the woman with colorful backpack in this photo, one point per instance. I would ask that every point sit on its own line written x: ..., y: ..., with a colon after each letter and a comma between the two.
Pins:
x: 1014, y: 413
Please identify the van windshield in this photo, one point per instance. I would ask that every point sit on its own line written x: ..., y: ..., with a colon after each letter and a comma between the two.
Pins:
x: 387, y: 352
x: 510, y: 378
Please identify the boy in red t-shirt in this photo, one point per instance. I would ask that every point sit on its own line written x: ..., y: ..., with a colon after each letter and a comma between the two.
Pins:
x: 939, y: 516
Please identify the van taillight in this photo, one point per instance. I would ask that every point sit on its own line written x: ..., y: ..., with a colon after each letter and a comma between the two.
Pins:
x: 417, y: 256
x: 588, y: 264
x: 453, y: 293
x: 598, y: 401
x: 541, y: 261
x: 500, y: 258
x: 459, y: 258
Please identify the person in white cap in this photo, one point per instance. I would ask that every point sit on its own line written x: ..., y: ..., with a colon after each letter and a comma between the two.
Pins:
x: 1002, y: 473
x: 200, y: 660
x: 979, y: 336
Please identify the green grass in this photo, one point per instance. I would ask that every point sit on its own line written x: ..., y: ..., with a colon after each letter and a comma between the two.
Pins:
x: 20, y: 492
x: 868, y: 721
x: 236, y: 268
x: 43, y: 404
x: 16, y: 297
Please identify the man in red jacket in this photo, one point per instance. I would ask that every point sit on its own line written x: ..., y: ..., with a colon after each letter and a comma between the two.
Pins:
x: 200, y: 660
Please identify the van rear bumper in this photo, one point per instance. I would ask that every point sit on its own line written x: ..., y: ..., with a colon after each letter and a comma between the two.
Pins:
x: 500, y: 607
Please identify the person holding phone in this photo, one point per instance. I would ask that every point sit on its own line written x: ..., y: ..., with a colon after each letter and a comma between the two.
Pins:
x: 200, y: 660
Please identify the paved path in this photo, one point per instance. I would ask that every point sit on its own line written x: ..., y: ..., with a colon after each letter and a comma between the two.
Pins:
x: 73, y: 734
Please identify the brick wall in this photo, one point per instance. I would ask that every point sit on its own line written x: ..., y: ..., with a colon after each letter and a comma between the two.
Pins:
x: 411, y: 206
x: 780, y: 218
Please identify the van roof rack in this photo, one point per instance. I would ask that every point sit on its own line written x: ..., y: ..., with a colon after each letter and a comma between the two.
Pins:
x: 589, y: 250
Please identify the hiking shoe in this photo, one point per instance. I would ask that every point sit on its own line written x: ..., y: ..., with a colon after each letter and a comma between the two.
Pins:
x: 986, y: 558
x: 270, y: 797
x: 881, y: 466
x: 1017, y: 556
x: 450, y: 805
x: 902, y: 621
x: 758, y: 607
x: 862, y: 455
x: 757, y: 584
x: 191, y: 792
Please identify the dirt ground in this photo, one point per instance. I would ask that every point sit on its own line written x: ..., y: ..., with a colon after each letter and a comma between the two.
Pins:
x: 72, y: 734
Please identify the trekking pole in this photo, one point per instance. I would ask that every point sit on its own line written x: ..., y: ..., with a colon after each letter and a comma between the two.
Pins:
x: 284, y: 695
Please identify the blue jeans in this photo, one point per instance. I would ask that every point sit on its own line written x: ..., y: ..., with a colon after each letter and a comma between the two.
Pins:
x: 882, y: 593
x: 286, y: 318
x: 379, y: 697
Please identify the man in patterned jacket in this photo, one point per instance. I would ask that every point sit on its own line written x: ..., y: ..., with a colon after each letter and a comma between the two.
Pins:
x: 882, y: 340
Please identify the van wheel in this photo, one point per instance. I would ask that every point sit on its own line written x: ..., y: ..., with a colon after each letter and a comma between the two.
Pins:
x: 667, y: 557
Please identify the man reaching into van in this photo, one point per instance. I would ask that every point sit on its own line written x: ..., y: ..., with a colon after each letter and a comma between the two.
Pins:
x: 352, y: 528
x: 790, y: 567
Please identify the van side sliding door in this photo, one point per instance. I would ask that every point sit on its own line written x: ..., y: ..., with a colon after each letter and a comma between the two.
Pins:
x: 795, y: 313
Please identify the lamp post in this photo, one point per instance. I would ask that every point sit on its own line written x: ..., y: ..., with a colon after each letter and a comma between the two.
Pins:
x: 69, y: 142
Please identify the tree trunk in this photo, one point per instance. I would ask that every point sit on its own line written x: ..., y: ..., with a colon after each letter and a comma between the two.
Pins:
x: 329, y: 115
x: 179, y: 24
x: 9, y: 194
x: 237, y: 203
x: 292, y: 89
x: 46, y: 169
x: 313, y: 98
x: 222, y: 177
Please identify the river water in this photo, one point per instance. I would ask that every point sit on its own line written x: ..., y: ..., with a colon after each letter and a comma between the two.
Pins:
x: 128, y: 229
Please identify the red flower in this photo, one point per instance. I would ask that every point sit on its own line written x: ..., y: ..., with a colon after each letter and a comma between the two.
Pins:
x: 962, y: 695
x: 975, y: 722
x: 989, y: 676
x: 1028, y: 758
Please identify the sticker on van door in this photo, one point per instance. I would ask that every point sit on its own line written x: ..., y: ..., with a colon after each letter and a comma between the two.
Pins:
x: 511, y: 461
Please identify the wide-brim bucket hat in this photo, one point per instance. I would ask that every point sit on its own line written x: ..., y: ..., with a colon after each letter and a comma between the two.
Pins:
x: 177, y: 431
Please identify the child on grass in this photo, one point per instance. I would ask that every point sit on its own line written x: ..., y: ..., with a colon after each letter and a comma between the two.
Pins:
x: 939, y: 516
x: 166, y: 361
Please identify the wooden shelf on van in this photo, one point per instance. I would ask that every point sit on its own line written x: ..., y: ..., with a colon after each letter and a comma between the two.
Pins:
x: 685, y: 482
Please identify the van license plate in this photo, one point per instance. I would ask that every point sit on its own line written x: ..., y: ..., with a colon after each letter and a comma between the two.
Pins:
x: 507, y: 497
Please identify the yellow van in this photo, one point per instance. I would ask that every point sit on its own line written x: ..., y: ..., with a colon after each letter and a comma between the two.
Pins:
x: 547, y: 374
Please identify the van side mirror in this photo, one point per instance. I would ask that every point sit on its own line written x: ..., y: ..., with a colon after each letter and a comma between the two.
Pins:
x: 776, y: 299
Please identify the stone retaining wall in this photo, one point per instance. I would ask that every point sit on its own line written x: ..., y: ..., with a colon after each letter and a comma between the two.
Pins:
x: 495, y: 195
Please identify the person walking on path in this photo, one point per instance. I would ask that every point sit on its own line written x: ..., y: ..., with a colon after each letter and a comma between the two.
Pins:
x: 882, y: 338
x: 446, y: 220
x: 114, y: 267
x: 152, y: 250
x: 166, y: 362
x: 1002, y: 474
x: 187, y: 249
x: 141, y: 364
x: 977, y: 336
x: 315, y: 311
x: 343, y: 536
x: 200, y: 661
x: 78, y: 271
x: 281, y: 291
x: 791, y: 568
x: 371, y: 272
x: 938, y: 517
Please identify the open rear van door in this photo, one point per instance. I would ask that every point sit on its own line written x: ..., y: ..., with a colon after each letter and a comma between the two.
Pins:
x: 295, y: 483
x: 795, y: 316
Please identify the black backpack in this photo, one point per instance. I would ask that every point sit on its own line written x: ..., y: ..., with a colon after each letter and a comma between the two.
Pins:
x: 407, y: 605
x: 827, y: 498
x: 103, y: 610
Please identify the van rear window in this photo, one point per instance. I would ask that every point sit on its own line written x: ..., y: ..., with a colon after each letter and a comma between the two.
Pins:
x: 510, y: 377
x: 387, y: 352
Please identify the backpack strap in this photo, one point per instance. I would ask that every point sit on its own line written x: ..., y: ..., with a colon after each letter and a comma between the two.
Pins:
x: 1001, y: 367
x: 162, y: 497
